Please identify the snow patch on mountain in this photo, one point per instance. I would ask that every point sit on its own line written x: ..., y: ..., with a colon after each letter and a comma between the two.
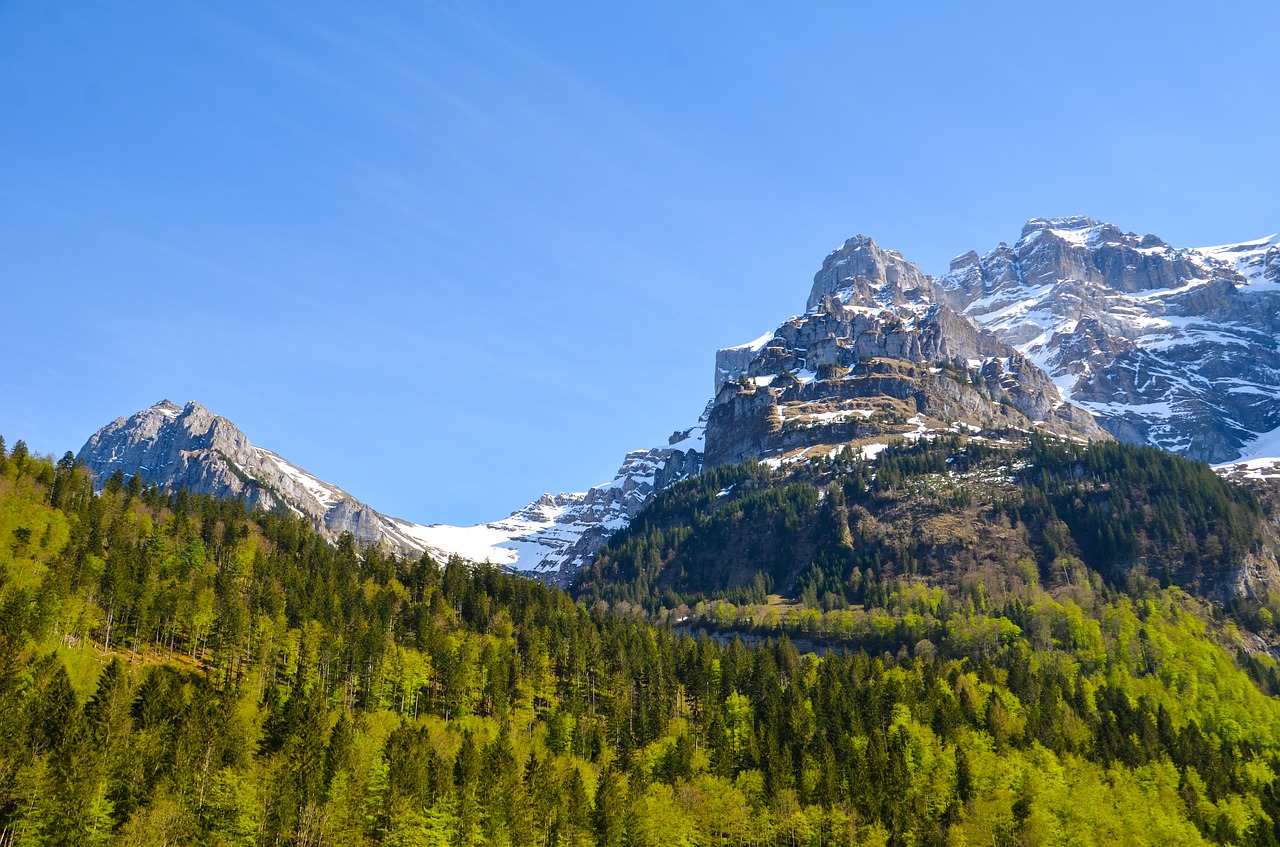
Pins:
x: 1260, y: 459
x: 556, y: 535
x: 327, y: 496
x: 1175, y: 347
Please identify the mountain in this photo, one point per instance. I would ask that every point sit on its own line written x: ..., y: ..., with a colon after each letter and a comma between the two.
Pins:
x: 176, y: 446
x: 1177, y: 348
x: 1170, y: 346
x: 190, y: 446
x: 877, y: 357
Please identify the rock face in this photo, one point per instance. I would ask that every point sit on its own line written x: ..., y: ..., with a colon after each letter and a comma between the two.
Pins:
x: 1178, y: 348
x: 1174, y: 347
x: 879, y: 354
x: 190, y: 446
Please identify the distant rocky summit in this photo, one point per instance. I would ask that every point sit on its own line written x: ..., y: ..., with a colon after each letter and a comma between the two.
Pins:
x: 176, y: 446
x: 1175, y: 347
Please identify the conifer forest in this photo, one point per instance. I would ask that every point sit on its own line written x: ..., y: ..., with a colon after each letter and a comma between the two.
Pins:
x: 973, y: 645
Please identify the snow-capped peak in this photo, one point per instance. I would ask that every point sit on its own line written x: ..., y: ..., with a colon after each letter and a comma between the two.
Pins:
x: 1175, y: 347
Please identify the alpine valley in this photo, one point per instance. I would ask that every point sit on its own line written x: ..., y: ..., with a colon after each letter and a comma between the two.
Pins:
x: 989, y: 557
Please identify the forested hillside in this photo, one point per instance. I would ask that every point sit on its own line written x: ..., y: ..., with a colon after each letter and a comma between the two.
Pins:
x: 176, y: 670
x: 957, y: 513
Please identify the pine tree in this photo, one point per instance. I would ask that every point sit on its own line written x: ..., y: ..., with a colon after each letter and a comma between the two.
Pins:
x: 55, y: 705
x: 964, y: 777
x: 501, y: 799
x: 339, y: 755
x: 576, y: 809
x: 110, y: 720
x: 19, y: 457
x: 610, y: 811
x: 80, y: 811
x: 466, y: 780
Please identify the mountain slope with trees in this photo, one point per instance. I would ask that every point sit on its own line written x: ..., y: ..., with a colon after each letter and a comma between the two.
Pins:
x: 953, y: 512
x: 178, y: 669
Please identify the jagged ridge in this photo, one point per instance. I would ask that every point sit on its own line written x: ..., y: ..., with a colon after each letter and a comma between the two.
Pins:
x: 189, y: 446
x: 175, y: 446
x: 558, y: 534
x: 1177, y: 348
x: 1173, y: 347
x: 878, y: 356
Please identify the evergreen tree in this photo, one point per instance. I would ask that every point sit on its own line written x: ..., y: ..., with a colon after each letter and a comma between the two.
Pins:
x: 609, y: 813
x: 466, y: 781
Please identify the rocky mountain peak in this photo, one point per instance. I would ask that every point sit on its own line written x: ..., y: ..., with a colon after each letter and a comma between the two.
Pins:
x: 1071, y: 223
x: 189, y: 446
x: 880, y: 354
x: 1170, y: 346
x: 965, y: 261
x: 860, y: 272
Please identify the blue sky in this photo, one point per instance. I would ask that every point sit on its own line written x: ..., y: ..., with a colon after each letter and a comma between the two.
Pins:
x: 451, y: 256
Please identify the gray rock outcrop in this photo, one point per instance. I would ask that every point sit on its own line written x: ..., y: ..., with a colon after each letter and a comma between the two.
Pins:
x: 189, y: 446
x: 1174, y: 347
x: 879, y: 355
